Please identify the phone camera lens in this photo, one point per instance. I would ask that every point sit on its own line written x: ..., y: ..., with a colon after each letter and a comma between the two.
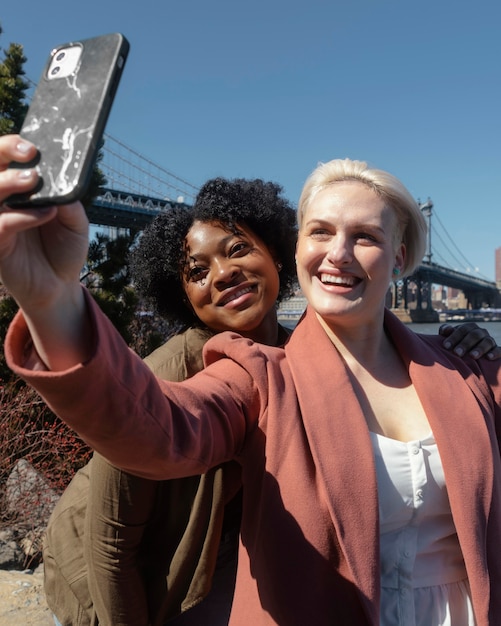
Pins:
x: 60, y: 56
x: 55, y: 70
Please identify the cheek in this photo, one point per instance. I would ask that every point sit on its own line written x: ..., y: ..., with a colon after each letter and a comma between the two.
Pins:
x: 305, y: 256
x: 300, y: 250
x: 303, y: 270
x: 197, y: 294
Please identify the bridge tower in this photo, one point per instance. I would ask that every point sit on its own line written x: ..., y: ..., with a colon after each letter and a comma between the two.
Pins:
x: 424, y: 311
x: 426, y: 208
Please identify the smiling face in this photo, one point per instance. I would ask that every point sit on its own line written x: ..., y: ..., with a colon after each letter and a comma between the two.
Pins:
x: 347, y: 249
x: 231, y: 280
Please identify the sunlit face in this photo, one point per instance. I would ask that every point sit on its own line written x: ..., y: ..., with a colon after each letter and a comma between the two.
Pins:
x: 231, y: 280
x: 346, y: 253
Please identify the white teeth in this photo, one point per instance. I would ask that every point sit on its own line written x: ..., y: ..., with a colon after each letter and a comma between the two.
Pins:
x: 337, y: 280
x: 236, y: 295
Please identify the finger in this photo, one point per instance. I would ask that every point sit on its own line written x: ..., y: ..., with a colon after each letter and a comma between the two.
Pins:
x: 13, y: 181
x: 477, y: 343
x: 445, y: 330
x: 69, y: 229
x: 494, y: 354
x: 481, y: 348
x: 15, y: 221
x: 469, y: 338
x: 74, y: 217
x: 457, y: 334
x: 15, y: 148
x: 460, y: 330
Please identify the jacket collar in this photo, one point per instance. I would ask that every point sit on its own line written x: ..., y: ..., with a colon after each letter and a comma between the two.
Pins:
x: 341, y: 449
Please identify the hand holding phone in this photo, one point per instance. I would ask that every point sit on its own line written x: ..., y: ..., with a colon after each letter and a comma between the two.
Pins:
x: 67, y: 117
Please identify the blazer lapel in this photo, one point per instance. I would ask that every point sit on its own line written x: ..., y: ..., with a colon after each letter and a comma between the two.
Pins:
x: 462, y: 435
x: 341, y: 449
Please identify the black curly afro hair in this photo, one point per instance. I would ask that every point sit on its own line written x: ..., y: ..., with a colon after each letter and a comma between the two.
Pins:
x: 158, y: 260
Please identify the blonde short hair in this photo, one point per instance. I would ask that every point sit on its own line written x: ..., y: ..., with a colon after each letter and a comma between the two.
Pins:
x: 413, y: 229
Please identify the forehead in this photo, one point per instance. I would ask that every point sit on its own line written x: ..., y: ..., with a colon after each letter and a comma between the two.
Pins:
x: 207, y: 236
x: 348, y: 200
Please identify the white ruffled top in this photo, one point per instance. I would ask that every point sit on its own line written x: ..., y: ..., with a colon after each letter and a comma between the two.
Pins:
x: 423, y: 576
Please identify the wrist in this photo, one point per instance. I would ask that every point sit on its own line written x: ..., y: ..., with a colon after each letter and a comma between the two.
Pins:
x: 61, y: 330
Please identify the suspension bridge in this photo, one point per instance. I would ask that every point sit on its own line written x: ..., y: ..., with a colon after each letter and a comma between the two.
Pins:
x: 137, y: 189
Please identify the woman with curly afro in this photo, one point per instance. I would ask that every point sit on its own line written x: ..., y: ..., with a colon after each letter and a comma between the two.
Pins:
x: 122, y: 550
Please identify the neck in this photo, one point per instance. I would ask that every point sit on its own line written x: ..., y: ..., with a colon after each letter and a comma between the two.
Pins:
x: 267, y: 332
x: 366, y: 344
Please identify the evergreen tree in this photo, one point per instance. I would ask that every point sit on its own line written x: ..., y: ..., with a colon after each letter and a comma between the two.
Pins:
x: 97, y: 182
x: 107, y: 277
x: 12, y: 89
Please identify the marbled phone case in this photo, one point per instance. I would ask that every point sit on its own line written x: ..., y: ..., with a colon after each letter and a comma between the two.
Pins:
x: 67, y: 117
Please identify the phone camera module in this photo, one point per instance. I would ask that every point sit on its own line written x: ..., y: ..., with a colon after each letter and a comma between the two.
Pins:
x: 64, y: 62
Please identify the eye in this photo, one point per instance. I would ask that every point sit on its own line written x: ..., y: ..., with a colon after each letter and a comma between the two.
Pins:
x: 320, y: 234
x: 196, y: 273
x: 239, y: 248
x: 366, y: 237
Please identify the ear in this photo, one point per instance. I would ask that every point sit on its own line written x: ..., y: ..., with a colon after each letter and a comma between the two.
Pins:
x: 400, y: 254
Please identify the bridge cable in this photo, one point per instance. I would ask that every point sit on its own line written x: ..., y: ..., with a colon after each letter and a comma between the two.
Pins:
x: 151, y: 163
x: 469, y: 265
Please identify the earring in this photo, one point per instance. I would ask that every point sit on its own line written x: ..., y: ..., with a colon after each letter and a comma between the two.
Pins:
x: 279, y: 266
x: 396, y: 271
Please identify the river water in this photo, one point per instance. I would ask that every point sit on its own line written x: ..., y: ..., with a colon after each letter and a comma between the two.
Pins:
x: 494, y: 328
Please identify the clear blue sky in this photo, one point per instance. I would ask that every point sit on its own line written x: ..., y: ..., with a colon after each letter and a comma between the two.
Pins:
x: 269, y: 88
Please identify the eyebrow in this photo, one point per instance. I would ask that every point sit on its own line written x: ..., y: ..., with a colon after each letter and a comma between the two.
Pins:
x: 358, y: 226
x: 222, y: 243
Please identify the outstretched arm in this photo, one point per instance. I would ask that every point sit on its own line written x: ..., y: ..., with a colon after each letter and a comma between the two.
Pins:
x: 42, y: 252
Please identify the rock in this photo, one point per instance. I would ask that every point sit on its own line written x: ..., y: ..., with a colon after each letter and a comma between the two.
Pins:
x: 22, y: 599
x: 28, y: 495
x: 28, y: 502
x: 11, y: 554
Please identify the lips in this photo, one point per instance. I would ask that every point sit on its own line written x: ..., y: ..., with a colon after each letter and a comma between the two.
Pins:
x: 233, y: 295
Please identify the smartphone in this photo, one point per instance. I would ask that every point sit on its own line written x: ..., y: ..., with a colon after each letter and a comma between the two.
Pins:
x: 67, y: 116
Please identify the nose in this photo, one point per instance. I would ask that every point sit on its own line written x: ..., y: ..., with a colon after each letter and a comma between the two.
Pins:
x: 340, y: 250
x: 225, y: 271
